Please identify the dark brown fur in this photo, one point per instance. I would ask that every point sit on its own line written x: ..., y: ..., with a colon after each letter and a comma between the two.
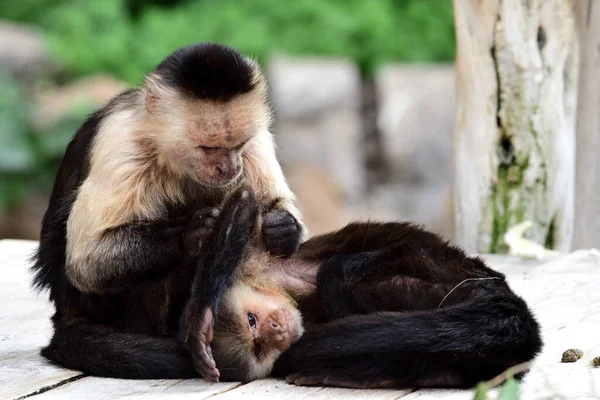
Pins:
x: 385, y: 305
x: 119, y: 304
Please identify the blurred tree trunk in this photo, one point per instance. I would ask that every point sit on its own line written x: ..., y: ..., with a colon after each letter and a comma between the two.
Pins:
x: 587, y: 185
x: 517, y: 65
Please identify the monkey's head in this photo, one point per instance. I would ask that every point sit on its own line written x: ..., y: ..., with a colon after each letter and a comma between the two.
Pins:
x: 206, y: 102
x: 253, y: 327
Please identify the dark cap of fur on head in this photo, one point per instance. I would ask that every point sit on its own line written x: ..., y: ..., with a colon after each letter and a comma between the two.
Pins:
x: 208, y: 71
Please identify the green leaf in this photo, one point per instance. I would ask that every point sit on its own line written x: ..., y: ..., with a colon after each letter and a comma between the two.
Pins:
x: 481, y: 391
x: 15, y: 128
x: 111, y: 36
x: 510, y: 390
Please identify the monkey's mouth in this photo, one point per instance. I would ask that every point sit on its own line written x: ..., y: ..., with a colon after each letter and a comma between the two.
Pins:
x: 294, y: 327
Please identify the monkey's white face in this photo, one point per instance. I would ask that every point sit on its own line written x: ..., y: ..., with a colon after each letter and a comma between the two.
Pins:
x: 262, y: 326
x: 272, y: 323
x: 218, y: 132
x: 208, y: 137
x: 216, y: 166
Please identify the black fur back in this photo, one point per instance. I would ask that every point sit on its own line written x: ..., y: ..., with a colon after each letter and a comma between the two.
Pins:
x: 208, y: 71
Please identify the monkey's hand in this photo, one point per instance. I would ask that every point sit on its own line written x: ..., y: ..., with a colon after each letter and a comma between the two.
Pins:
x: 200, y: 335
x: 199, y: 227
x: 281, y: 232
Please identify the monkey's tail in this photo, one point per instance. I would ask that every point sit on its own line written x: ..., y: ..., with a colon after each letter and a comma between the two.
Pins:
x: 101, y: 351
x: 457, y: 346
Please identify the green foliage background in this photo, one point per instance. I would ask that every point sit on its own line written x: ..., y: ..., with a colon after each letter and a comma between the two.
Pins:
x: 128, y: 37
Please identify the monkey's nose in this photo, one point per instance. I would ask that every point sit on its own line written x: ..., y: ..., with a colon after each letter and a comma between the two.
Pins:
x: 273, y: 324
x: 221, y: 171
x: 224, y: 171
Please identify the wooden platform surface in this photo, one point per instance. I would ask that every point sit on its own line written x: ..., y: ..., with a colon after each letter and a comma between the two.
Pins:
x: 563, y: 291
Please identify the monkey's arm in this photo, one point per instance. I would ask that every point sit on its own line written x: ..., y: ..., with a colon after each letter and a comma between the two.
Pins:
x: 136, y: 252
x: 222, y: 255
x: 283, y: 228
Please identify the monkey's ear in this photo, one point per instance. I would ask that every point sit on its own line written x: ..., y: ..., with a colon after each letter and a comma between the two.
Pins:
x: 150, y: 102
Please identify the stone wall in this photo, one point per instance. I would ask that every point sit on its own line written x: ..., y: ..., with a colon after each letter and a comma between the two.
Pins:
x: 325, y: 141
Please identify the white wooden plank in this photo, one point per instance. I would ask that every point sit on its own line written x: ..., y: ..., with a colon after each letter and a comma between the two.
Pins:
x: 279, y: 389
x: 24, y: 327
x: 562, y: 292
x: 445, y: 394
x: 587, y: 164
x: 92, y: 388
x: 338, y: 393
x: 567, y: 308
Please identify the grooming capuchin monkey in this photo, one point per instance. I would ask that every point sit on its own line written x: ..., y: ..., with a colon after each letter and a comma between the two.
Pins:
x: 135, y: 194
x: 383, y: 304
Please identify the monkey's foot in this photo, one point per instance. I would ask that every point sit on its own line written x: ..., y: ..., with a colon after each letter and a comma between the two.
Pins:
x: 329, y: 378
x: 281, y: 232
x: 198, y: 345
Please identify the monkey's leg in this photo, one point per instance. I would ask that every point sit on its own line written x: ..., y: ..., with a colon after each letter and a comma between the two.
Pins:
x: 101, y: 351
x: 224, y: 248
x: 380, y: 280
x: 222, y: 255
x: 457, y: 346
x: 399, y: 278
x: 332, y: 280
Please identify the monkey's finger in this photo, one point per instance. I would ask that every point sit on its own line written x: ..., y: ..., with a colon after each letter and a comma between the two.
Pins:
x: 282, y: 231
x: 282, y: 241
x: 212, y: 213
x: 203, y: 217
x: 210, y: 374
x: 207, y: 326
x: 210, y: 334
x: 197, y: 235
x: 278, y: 218
x: 202, y: 359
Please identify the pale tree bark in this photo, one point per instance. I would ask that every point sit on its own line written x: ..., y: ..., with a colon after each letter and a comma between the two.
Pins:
x: 587, y: 183
x: 516, y: 65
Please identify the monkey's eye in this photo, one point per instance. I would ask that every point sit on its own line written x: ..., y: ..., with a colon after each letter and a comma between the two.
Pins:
x: 252, y: 320
x: 239, y: 146
x: 205, y: 148
x: 257, y: 350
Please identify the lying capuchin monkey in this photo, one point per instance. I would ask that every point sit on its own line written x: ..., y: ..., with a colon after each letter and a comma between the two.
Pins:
x: 136, y: 192
x: 373, y: 305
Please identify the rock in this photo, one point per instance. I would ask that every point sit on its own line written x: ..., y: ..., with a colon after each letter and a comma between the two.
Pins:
x: 23, y: 52
x: 319, y: 200
x: 430, y: 206
x: 318, y: 121
x: 24, y: 221
x: 571, y: 355
x: 89, y: 92
x: 416, y: 117
x: 417, y: 111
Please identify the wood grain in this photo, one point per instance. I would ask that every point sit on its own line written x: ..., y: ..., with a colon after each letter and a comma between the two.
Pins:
x: 563, y: 292
x: 516, y: 73
x: 587, y: 160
